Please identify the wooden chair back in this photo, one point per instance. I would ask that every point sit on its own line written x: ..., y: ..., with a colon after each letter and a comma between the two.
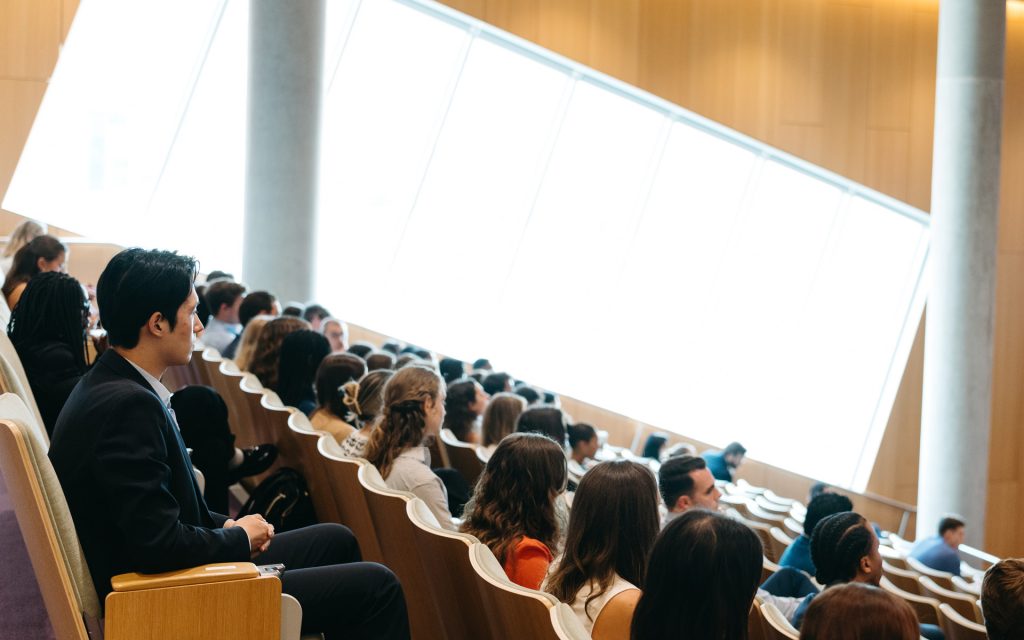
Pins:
x: 927, y: 609
x: 567, y: 624
x: 304, y: 443
x: 397, y: 538
x: 957, y: 627
x: 762, y: 530
x: 755, y: 622
x: 780, y: 541
x: 244, y: 426
x: 768, y: 568
x: 902, y: 578
x: 793, y: 527
x: 771, y: 506
x: 13, y: 379
x: 353, y: 512
x: 942, y: 578
x: 893, y: 557
x: 965, y: 605
x: 775, y: 626
x: 252, y: 392
x: 515, y: 612
x: 462, y: 457
x: 970, y: 588
x: 275, y: 424
x: 759, y: 514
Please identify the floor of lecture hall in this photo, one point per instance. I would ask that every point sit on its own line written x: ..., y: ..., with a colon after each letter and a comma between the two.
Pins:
x: 21, y: 604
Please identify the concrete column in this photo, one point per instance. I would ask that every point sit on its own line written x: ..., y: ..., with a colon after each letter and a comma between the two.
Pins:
x: 956, y: 413
x: 286, y: 44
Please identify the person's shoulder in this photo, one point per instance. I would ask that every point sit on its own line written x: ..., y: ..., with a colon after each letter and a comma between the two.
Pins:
x: 527, y: 545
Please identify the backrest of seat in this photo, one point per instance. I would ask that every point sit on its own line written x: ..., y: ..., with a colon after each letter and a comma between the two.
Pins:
x: 275, y: 420
x: 397, y: 538
x: 13, y: 379
x: 304, y: 442
x: 775, y: 626
x: 45, y: 523
x: 902, y: 578
x: 780, y: 541
x: 942, y: 578
x: 964, y: 604
x: 793, y: 527
x: 446, y: 558
x: 243, y: 426
x: 343, y: 476
x: 762, y: 530
x: 957, y: 627
x: 768, y: 568
x: 515, y: 612
x: 462, y: 457
x: 927, y: 609
x: 755, y: 621
x: 567, y: 624
x: 252, y: 392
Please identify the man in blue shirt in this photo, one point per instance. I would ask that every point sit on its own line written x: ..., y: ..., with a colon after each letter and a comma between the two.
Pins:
x: 798, y: 554
x: 940, y: 552
x: 723, y: 464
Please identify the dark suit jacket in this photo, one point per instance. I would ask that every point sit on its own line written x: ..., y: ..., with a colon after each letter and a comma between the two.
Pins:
x: 129, y: 483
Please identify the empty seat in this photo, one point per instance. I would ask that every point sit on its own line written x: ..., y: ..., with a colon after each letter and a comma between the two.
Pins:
x: 927, y: 609
x: 893, y: 557
x: 462, y: 457
x: 965, y: 605
x: 903, y: 578
x: 957, y: 627
x: 970, y: 588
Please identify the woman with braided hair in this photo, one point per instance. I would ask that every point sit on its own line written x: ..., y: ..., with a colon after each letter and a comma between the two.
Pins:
x: 364, y: 401
x: 413, y: 410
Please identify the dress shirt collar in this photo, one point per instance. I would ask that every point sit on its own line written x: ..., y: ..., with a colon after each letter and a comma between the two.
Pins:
x: 419, y: 454
x: 158, y: 387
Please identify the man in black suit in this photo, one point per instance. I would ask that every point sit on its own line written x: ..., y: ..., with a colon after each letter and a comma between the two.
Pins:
x: 129, y: 484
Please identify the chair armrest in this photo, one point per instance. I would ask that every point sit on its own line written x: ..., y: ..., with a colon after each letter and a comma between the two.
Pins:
x: 203, y: 574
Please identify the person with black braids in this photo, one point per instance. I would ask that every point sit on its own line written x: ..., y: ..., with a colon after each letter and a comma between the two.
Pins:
x: 413, y: 410
x: 844, y: 549
x: 48, y: 329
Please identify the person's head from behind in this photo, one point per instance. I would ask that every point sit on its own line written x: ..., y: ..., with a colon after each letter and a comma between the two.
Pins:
x: 733, y: 454
x: 1002, y: 599
x: 392, y: 346
x: 823, y: 506
x: 315, y: 314
x: 407, y: 359
x: 583, y: 443
x: 257, y: 303
x: 267, y: 356
x: 686, y: 483
x: 701, y: 580
x: 500, y: 417
x: 413, y: 410
x: 364, y: 399
x: 545, y: 420
x: 464, y: 403
x: 380, y: 360
x: 497, y: 383
x: 148, y: 303
x: 301, y: 354
x: 53, y: 308
x: 844, y: 548
x: 335, y: 371
x: 859, y: 612
x: 336, y: 333
x: 612, y: 528
x: 249, y: 341
x: 294, y: 309
x: 24, y: 233
x: 952, y: 530
x: 451, y: 369
x: 655, y: 443
x: 217, y: 274
x: 482, y: 364
x: 42, y: 254
x: 515, y: 495
x: 531, y: 394
x: 224, y: 298
x: 819, y: 488
x: 362, y: 349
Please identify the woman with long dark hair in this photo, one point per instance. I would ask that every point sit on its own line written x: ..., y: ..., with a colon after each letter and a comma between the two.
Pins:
x: 513, y: 509
x: 701, y: 580
x: 464, y: 403
x: 612, y: 528
x: 335, y: 371
x: 41, y: 255
x: 301, y: 355
x: 48, y: 329
x: 500, y: 419
x: 266, y: 357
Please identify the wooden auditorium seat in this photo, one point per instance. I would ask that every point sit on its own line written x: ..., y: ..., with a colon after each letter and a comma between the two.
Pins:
x: 14, y: 380
x: 188, y: 604
x: 244, y: 426
x: 762, y: 530
x: 780, y: 541
x: 965, y: 605
x: 793, y: 527
x: 304, y: 439
x: 775, y: 626
x: 970, y: 588
x: 942, y: 578
x: 893, y: 557
x: 768, y: 568
x: 343, y: 476
x: 957, y: 627
x: 927, y: 609
x: 755, y: 622
x: 462, y: 457
x: 903, y: 578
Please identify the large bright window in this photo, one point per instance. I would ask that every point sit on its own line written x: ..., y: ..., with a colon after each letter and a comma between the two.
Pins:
x: 484, y: 197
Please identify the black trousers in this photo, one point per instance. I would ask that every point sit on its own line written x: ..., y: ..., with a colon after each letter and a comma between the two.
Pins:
x: 341, y: 596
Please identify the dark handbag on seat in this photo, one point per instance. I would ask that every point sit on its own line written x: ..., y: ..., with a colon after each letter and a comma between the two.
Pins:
x: 283, y: 500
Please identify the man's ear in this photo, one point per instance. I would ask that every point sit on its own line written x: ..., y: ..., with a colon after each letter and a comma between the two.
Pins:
x: 157, y: 325
x: 865, y: 566
x: 683, y: 503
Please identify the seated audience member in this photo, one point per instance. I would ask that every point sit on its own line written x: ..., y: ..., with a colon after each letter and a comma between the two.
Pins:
x: 583, y: 446
x: 202, y: 417
x: 392, y: 346
x: 219, y: 275
x: 408, y: 359
x: 532, y: 395
x: 361, y: 349
x: 335, y: 371
x: 655, y: 443
x: 701, y: 579
x: 685, y: 483
x: 41, y: 255
x: 48, y: 329
x: 24, y: 233
x: 451, y: 369
x: 224, y: 299
x: 464, y: 403
x: 423, y: 354
x: 497, y: 383
x: 551, y: 399
x: 257, y: 303
x: 365, y: 401
x: 336, y: 333
x: 482, y: 364
x: 249, y: 340
x: 133, y: 498
x: 293, y: 309
x: 266, y: 358
x: 723, y: 464
x: 844, y: 549
x: 612, y: 528
x: 413, y: 410
x: 315, y: 315
x: 301, y: 355
x: 513, y: 510
x: 545, y: 420
x: 857, y: 611
x: 1002, y: 599
x: 380, y: 360
x: 798, y: 553
x: 500, y: 419
x: 939, y: 552
x: 819, y: 488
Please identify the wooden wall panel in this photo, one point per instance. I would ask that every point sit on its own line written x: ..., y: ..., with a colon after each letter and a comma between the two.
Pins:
x: 30, y: 35
x: 19, y: 102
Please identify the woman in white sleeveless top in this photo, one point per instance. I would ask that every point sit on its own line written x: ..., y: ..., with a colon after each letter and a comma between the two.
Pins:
x: 612, y: 528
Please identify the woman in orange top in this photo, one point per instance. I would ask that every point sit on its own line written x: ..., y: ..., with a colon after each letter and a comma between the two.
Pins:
x: 513, y: 510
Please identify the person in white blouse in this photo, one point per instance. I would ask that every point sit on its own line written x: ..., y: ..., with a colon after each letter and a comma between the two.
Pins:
x: 413, y: 411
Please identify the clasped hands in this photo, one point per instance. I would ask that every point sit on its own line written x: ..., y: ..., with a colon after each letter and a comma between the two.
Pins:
x: 259, y: 530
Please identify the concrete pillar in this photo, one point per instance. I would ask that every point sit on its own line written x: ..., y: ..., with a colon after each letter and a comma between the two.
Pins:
x: 286, y: 45
x: 956, y: 413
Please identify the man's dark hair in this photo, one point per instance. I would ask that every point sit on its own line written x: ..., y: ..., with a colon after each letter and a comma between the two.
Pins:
x: 823, y: 506
x: 549, y: 421
x: 674, y: 478
x: 496, y: 382
x: 256, y: 303
x: 361, y: 349
x: 293, y: 309
x: 380, y: 360
x: 138, y: 283
x: 394, y: 346
x: 819, y: 488
x: 531, y: 394
x: 580, y: 433
x: 1002, y: 599
x: 223, y: 292
x: 481, y: 363
x: 734, y: 448
x: 451, y: 369
x: 219, y: 275
x: 315, y: 310
x: 950, y: 523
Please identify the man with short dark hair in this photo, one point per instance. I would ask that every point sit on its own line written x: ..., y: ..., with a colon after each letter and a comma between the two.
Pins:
x: 224, y: 298
x: 315, y: 315
x: 122, y: 464
x: 686, y: 483
x: 798, y: 554
x: 1002, y: 599
x: 257, y: 303
x: 939, y: 552
x: 723, y: 464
